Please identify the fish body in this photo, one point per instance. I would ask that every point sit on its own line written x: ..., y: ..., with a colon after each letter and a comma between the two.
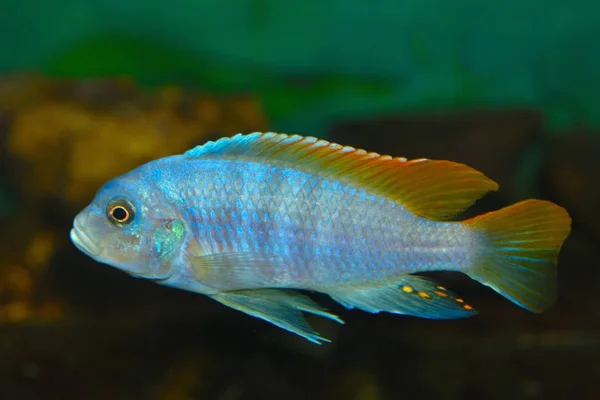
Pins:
x: 320, y: 233
x: 252, y: 219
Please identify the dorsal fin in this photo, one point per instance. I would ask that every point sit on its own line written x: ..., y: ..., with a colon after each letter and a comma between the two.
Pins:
x: 432, y: 189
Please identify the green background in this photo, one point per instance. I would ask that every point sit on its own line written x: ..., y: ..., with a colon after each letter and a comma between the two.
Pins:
x: 314, y: 61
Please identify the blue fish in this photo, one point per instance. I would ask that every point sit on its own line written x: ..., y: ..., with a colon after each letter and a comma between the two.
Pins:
x: 254, y: 221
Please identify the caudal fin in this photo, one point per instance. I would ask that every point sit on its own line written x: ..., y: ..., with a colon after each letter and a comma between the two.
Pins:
x: 519, y: 251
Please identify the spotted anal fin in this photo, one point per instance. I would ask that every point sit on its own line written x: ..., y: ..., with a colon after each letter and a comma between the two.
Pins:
x: 410, y: 295
x: 432, y: 189
x: 282, y: 308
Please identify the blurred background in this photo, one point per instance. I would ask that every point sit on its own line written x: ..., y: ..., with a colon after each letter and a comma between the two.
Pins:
x: 91, y: 89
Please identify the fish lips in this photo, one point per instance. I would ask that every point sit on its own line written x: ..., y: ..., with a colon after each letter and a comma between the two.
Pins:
x: 83, y: 242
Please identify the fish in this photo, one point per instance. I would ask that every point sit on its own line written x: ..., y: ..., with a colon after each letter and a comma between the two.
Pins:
x: 259, y: 221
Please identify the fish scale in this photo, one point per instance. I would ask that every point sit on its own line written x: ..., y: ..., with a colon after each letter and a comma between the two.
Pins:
x: 323, y: 208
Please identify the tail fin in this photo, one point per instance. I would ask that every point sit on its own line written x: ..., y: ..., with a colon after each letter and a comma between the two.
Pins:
x: 519, y: 252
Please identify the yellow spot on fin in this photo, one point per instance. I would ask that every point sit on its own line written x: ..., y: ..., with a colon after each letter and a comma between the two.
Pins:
x: 519, y: 251
x: 432, y: 189
x: 424, y: 295
x: 395, y: 298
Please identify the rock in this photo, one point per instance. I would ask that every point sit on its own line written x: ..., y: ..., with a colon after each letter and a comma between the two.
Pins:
x: 571, y: 175
x: 69, y: 137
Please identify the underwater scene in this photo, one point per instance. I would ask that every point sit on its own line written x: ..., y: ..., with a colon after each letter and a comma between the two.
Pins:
x: 265, y: 199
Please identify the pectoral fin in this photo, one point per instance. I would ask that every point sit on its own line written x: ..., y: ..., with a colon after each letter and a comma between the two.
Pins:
x: 411, y: 295
x: 237, y: 270
x: 279, y: 307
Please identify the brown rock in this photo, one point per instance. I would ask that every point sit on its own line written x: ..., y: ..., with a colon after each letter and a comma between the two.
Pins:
x: 69, y: 137
x: 571, y: 175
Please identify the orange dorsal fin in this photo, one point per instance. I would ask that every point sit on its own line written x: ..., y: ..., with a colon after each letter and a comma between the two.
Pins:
x: 433, y: 189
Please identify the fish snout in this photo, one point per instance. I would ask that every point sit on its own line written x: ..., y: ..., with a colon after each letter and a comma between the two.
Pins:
x: 82, y: 240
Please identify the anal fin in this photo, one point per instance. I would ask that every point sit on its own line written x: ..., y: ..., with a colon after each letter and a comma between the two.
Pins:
x: 409, y: 295
x: 282, y: 308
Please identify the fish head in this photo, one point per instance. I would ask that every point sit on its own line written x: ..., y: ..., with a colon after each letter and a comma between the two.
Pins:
x: 128, y: 226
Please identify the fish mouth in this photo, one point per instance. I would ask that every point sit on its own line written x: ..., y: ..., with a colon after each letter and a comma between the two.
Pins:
x: 83, y: 242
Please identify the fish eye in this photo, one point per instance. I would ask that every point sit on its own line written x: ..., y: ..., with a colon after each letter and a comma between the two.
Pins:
x: 120, y: 211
